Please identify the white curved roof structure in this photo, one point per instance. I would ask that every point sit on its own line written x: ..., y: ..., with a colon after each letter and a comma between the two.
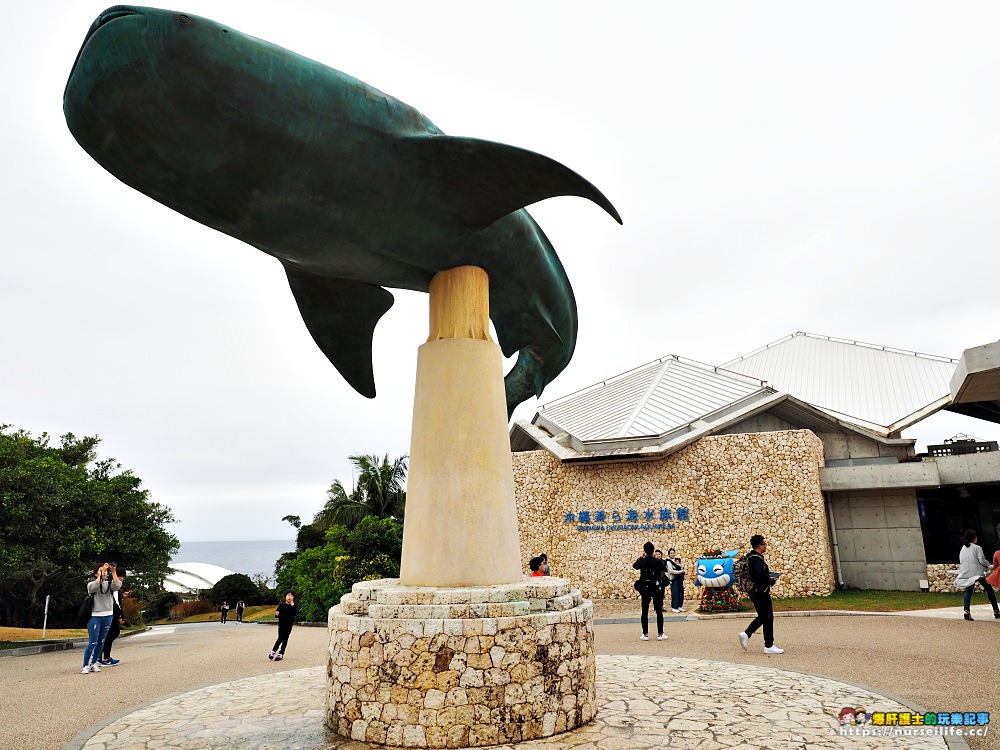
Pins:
x: 188, y: 578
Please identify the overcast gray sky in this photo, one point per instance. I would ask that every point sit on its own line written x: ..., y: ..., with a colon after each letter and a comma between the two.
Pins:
x: 780, y: 166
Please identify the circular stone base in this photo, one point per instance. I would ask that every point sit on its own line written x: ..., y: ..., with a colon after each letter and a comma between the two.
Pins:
x: 460, y: 667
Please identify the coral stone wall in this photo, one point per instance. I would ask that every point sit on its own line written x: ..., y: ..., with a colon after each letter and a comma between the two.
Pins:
x: 421, y: 667
x: 732, y: 486
x: 941, y: 578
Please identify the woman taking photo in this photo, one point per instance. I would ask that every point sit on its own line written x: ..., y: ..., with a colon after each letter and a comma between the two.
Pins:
x: 105, y: 582
x: 972, y: 569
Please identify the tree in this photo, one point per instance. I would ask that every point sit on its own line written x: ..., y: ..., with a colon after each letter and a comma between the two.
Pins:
x: 62, y: 511
x: 379, y: 492
x: 321, y: 575
x: 234, y: 587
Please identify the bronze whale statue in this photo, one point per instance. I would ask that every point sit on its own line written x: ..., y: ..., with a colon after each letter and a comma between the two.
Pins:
x: 350, y: 189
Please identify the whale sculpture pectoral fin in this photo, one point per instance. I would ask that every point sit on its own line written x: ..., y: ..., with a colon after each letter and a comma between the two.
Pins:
x: 483, y: 181
x: 341, y: 316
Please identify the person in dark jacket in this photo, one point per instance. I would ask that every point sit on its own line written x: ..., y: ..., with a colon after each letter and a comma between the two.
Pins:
x: 286, y: 613
x: 117, y: 620
x: 650, y: 586
x: 760, y: 595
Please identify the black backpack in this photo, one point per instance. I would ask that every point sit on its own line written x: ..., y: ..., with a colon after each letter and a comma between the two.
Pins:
x: 741, y: 574
x: 649, y: 581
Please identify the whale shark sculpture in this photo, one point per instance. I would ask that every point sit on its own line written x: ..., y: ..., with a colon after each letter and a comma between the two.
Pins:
x: 350, y: 189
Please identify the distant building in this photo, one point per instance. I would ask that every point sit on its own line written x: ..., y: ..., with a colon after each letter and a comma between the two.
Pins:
x: 800, y: 440
x: 192, y: 578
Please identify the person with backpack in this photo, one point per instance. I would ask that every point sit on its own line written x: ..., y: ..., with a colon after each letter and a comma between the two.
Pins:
x: 759, y: 582
x: 102, y: 588
x: 650, y: 587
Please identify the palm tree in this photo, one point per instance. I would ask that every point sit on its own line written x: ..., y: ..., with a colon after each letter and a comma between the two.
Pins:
x: 379, y: 492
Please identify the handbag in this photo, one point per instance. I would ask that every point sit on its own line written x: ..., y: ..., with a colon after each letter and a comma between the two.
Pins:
x: 86, y: 608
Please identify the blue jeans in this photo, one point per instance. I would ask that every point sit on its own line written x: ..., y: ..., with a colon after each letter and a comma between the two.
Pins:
x: 97, y: 631
x: 986, y: 587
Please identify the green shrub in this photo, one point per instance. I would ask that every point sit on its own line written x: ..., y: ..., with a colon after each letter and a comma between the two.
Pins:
x: 159, y: 606
x: 132, y: 611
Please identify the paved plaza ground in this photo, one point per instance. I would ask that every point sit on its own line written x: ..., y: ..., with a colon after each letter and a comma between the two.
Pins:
x: 211, y: 685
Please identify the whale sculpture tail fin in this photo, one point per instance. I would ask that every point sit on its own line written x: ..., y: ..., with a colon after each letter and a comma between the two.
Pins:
x: 483, y: 181
x: 341, y: 316
x: 525, y: 379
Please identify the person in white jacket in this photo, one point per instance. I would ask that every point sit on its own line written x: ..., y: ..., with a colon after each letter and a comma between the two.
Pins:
x: 972, y: 569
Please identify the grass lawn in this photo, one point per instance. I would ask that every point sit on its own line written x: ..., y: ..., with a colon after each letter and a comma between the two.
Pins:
x: 14, y: 637
x: 870, y: 601
x: 250, y: 614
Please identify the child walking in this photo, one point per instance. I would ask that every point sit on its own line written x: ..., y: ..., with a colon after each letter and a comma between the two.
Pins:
x: 286, y: 613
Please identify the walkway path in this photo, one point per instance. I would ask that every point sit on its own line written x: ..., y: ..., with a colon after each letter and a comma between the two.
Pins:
x: 698, y: 689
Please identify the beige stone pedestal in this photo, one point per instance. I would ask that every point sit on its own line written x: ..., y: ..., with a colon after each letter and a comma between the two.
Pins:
x: 460, y: 667
x: 462, y: 650
x: 461, y: 516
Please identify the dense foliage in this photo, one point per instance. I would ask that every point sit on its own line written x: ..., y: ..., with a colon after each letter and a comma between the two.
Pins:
x: 61, y: 512
x: 238, y: 586
x: 321, y: 575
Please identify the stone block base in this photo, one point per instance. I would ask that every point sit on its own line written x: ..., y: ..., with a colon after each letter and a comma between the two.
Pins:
x: 460, y: 667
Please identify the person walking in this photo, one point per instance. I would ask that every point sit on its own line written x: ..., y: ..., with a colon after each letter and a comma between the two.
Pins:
x: 286, y: 613
x: 101, y: 588
x: 675, y: 572
x: 993, y: 579
x: 117, y: 621
x: 972, y: 569
x: 240, y: 606
x: 760, y: 595
x: 650, y: 589
x: 225, y: 611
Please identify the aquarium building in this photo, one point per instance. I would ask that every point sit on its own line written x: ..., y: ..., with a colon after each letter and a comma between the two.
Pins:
x: 801, y: 440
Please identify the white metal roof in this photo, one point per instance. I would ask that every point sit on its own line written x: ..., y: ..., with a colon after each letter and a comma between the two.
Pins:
x: 188, y: 578
x: 874, y: 386
x: 650, y: 400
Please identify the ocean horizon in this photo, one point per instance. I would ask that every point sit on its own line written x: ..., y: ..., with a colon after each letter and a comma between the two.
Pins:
x: 250, y: 557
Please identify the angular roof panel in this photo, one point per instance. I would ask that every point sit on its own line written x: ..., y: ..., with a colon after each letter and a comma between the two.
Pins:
x: 651, y: 400
x: 873, y: 386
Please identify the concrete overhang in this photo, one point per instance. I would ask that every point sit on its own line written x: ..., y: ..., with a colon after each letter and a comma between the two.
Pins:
x: 971, y: 468
x: 975, y: 386
x: 910, y: 475
x: 940, y: 471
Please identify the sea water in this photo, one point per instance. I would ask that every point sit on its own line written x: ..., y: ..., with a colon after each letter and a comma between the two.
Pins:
x: 252, y: 558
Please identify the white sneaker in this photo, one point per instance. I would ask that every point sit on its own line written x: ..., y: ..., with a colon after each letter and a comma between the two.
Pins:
x: 773, y: 650
x: 643, y: 637
x: 95, y: 667
x: 680, y: 609
x: 661, y: 637
x: 674, y: 609
x: 744, y: 640
x: 85, y: 670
